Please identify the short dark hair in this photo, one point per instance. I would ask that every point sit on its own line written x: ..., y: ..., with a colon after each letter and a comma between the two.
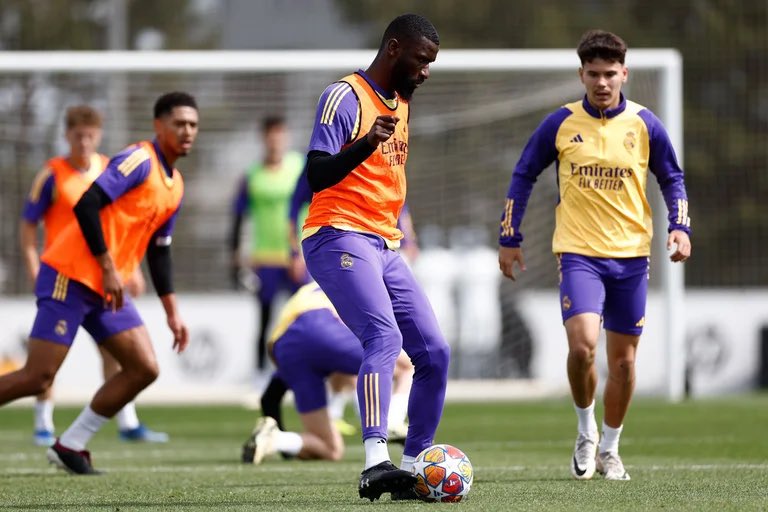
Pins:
x: 410, y: 26
x: 272, y: 121
x: 599, y: 44
x: 82, y: 115
x: 168, y: 101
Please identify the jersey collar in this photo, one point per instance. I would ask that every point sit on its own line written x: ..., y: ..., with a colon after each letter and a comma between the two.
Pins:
x: 607, y: 113
x: 167, y: 168
x: 388, y: 98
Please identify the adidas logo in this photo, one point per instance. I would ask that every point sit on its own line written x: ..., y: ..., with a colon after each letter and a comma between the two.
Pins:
x: 577, y: 138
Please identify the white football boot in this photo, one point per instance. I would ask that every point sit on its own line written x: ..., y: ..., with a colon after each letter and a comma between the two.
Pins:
x: 263, y: 439
x: 610, y: 466
x: 584, y: 453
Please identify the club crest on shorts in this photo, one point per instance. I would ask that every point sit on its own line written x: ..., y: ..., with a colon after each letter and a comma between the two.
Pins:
x: 566, y: 303
x: 61, y: 327
x: 346, y: 261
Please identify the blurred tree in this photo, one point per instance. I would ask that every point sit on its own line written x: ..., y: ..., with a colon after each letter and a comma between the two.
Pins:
x: 83, y: 24
x: 725, y: 48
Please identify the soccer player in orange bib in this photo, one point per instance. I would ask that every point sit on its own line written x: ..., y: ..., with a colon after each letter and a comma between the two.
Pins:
x: 128, y: 211
x: 54, y: 193
x: 356, y: 169
x: 603, y: 145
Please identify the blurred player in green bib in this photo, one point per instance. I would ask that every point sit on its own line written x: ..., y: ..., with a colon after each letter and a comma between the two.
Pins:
x: 264, y: 194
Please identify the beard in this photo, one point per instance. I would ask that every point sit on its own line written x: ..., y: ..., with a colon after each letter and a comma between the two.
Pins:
x: 403, y: 84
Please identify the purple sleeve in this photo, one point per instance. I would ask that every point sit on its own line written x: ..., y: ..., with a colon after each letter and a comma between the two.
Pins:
x: 165, y: 232
x: 538, y: 154
x: 336, y: 119
x: 240, y: 206
x: 302, y: 195
x: 38, y: 202
x: 663, y: 163
x: 127, y: 170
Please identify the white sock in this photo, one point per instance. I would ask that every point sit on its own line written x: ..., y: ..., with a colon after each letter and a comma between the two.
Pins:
x: 610, y: 440
x: 126, y: 417
x: 337, y: 402
x: 288, y: 442
x: 376, y: 451
x: 406, y: 463
x: 398, y: 409
x: 587, y: 423
x: 82, y: 429
x: 44, y: 415
x: 356, y: 405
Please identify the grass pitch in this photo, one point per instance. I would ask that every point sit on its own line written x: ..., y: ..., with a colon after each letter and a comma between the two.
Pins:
x: 700, y: 455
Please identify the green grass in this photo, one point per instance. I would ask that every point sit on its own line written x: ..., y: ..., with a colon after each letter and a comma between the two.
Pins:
x: 703, y: 455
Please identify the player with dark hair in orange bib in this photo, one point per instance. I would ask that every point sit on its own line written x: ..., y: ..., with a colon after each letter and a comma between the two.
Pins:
x: 356, y: 169
x: 128, y: 211
x: 56, y: 189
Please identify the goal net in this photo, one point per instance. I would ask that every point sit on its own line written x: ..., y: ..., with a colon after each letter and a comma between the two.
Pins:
x: 468, y: 126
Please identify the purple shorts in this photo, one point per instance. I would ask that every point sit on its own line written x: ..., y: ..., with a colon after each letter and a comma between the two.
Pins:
x: 274, y: 279
x: 64, y: 304
x: 314, y: 346
x: 615, y: 288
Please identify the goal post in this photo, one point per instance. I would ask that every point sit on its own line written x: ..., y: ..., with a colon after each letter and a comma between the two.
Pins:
x: 516, y: 87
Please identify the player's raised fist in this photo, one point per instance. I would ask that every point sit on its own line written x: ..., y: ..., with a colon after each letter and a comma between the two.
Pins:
x: 382, y: 129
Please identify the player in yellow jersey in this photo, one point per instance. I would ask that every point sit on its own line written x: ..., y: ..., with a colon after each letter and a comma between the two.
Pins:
x: 604, y: 146
x: 54, y: 193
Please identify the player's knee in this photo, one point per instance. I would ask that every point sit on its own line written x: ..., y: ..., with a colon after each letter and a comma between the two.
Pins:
x: 441, y: 355
x: 623, y: 369
x: 146, y: 372
x: 39, y: 380
x: 335, y: 453
x: 435, y: 359
x: 582, y: 353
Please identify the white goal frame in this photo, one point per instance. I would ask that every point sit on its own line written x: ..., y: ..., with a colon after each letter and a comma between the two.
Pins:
x: 668, y: 62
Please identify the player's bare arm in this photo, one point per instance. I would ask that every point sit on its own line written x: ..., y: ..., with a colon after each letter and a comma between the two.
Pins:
x: 175, y: 322
x: 28, y: 243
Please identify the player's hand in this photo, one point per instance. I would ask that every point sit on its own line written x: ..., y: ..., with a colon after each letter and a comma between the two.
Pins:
x: 180, y: 333
x: 508, y: 256
x: 382, y: 129
x: 682, y: 244
x: 113, y: 289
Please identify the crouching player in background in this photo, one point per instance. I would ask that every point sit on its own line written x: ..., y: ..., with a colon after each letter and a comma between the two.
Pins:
x: 309, y: 344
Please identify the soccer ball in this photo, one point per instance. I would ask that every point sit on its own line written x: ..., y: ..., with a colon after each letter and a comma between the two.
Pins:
x: 443, y: 473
